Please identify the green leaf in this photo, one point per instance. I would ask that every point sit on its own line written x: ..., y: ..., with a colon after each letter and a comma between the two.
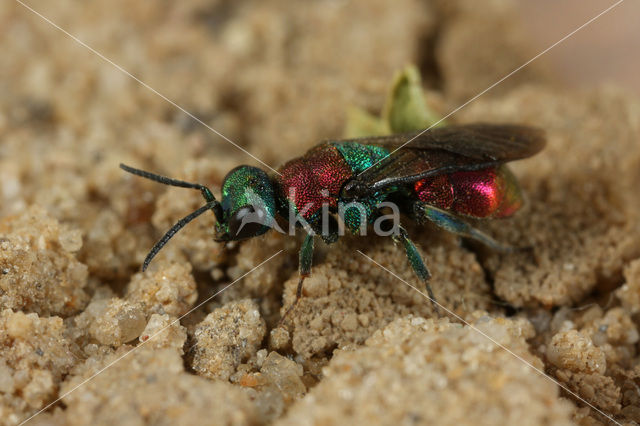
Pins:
x: 406, y: 108
x: 360, y: 123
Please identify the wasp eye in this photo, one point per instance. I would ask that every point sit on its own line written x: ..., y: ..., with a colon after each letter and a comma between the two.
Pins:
x: 247, y: 222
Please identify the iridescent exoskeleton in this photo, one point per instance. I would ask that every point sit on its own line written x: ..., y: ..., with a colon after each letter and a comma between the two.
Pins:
x: 442, y: 175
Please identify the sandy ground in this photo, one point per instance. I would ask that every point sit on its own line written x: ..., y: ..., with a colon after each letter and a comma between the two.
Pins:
x: 362, y: 347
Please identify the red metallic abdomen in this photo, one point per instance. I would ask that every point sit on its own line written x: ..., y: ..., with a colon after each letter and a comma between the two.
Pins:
x: 491, y: 192
x: 313, y: 179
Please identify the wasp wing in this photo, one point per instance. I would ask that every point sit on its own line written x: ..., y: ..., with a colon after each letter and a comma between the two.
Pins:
x: 443, y: 150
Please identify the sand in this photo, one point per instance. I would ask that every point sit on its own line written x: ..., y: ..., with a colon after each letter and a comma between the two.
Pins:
x: 81, y: 322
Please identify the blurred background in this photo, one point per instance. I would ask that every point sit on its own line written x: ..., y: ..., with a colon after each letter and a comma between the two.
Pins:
x: 607, y: 51
x: 273, y: 76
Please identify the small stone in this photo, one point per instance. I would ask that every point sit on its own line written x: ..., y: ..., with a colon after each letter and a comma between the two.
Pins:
x: 227, y: 337
x: 279, y: 339
x: 574, y: 351
x: 168, y: 289
x: 316, y: 286
x: 118, y: 322
x: 285, y: 374
x: 363, y: 319
x: 163, y: 331
x: 350, y: 322
x: 19, y: 325
x: 71, y: 240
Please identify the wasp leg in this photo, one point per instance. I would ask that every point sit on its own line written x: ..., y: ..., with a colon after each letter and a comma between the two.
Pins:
x: 454, y: 224
x: 417, y: 264
x: 328, y: 231
x: 306, y: 257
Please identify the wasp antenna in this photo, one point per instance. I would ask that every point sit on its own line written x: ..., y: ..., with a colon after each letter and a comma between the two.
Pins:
x: 175, y: 228
x: 159, y: 178
x: 206, y: 192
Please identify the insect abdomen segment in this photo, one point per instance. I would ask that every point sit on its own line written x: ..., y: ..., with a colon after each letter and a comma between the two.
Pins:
x: 491, y: 192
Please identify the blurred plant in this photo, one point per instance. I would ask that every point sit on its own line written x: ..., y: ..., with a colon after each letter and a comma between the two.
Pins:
x: 406, y: 109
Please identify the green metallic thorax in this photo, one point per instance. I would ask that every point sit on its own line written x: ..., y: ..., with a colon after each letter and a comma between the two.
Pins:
x: 309, y: 183
x: 360, y: 157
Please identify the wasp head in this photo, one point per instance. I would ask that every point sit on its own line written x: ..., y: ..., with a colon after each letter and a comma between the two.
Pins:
x: 247, y: 208
x: 248, y: 204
